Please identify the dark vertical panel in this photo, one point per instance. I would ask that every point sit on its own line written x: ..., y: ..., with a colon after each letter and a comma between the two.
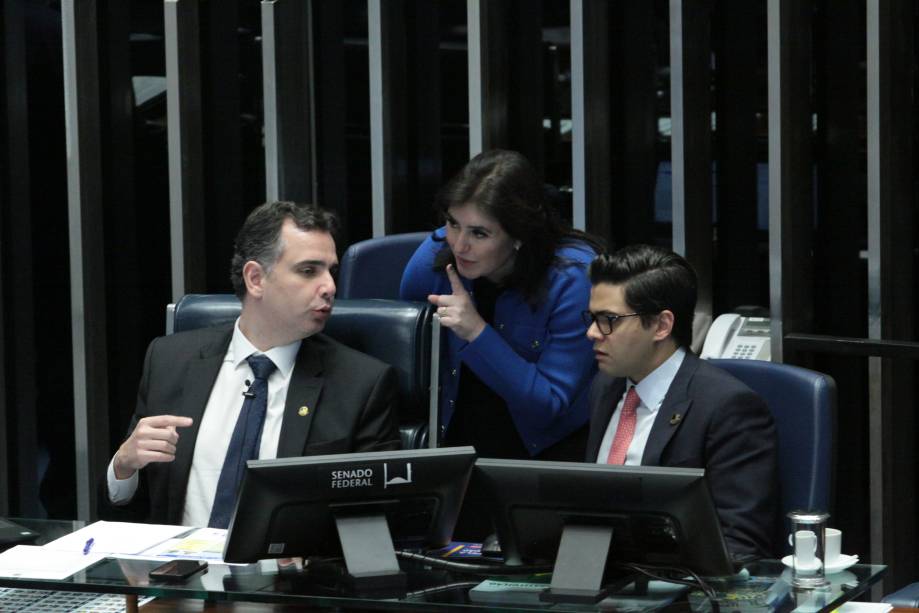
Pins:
x: 590, y: 114
x: 387, y: 57
x: 526, y: 87
x: 738, y: 270
x: 340, y: 119
x: 42, y: 250
x: 228, y: 163
x: 690, y: 112
x: 87, y: 261
x: 841, y: 216
x: 410, y: 214
x: 186, y: 147
x: 414, y: 109
x: 6, y: 53
x: 891, y: 301
x: 16, y: 319
x: 489, y: 51
x: 790, y: 169
x: 635, y: 112
x: 558, y: 155
x: 126, y: 239
x: 288, y: 79
x: 840, y: 295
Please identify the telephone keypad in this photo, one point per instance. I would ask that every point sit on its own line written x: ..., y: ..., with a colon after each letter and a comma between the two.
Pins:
x: 745, y: 351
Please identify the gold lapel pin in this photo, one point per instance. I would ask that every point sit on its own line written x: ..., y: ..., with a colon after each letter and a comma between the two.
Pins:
x: 675, y: 419
x: 304, y: 411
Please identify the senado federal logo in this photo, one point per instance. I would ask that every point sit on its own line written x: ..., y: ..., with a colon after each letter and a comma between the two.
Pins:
x: 364, y: 477
x: 357, y: 477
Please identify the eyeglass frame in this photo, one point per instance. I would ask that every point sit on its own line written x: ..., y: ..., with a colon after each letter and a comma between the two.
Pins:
x: 590, y: 319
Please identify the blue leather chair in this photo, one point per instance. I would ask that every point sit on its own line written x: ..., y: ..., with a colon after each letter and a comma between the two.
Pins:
x: 373, y: 268
x: 905, y: 597
x: 396, y: 332
x: 803, y: 404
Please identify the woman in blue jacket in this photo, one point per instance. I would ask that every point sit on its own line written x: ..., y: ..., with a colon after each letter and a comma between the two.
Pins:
x: 510, y: 282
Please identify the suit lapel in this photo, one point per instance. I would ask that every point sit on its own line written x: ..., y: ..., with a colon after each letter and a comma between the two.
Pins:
x: 672, y: 413
x: 302, y: 400
x: 200, y: 375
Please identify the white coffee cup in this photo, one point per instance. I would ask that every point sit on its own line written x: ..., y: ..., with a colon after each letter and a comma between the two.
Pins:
x: 832, y: 544
x: 805, y: 544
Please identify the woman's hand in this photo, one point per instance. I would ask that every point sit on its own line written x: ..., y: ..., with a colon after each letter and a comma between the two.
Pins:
x: 456, y: 310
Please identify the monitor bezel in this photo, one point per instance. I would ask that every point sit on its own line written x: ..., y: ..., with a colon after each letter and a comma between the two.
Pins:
x: 261, y: 497
x: 537, y: 486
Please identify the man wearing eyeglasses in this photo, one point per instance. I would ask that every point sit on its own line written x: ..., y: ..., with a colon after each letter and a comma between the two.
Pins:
x: 654, y: 403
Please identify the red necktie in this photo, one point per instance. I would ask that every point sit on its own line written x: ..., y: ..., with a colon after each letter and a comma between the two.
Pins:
x: 626, y: 428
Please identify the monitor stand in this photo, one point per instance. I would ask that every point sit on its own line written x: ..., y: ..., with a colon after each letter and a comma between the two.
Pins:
x: 368, y: 551
x: 579, y: 565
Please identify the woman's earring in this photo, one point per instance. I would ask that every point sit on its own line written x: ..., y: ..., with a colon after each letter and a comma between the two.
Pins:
x: 517, y: 246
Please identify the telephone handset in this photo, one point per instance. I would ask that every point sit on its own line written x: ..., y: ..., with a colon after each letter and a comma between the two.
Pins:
x: 734, y: 336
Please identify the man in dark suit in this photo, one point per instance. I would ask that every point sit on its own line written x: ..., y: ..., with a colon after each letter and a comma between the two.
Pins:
x: 654, y: 403
x: 271, y: 385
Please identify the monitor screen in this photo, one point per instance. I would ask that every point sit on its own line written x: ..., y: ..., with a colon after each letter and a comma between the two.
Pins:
x: 359, y: 505
x: 579, y: 515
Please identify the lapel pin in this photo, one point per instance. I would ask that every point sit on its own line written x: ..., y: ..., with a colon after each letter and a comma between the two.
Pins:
x: 304, y: 411
x: 675, y: 419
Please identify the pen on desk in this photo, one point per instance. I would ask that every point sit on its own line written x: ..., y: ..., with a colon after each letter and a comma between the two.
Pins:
x: 88, y: 545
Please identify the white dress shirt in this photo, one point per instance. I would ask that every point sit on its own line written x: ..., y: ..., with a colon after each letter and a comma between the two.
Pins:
x: 651, y: 392
x: 217, y: 424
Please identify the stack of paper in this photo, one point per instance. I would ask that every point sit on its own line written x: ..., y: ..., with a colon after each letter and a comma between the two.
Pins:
x: 29, y: 561
x: 69, y: 554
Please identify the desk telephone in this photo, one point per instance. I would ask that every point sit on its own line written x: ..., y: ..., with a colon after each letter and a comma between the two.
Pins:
x: 734, y: 336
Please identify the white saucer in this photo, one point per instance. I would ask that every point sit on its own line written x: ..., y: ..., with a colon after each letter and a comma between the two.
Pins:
x: 839, y: 564
x: 788, y: 561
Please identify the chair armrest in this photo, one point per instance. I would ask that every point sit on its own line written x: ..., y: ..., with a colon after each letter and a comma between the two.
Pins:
x: 904, y: 597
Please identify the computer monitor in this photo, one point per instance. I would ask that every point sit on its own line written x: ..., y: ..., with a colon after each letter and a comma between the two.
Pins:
x: 360, y: 505
x: 579, y: 515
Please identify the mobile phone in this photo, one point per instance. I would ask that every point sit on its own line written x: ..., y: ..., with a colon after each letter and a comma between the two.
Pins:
x: 177, y: 570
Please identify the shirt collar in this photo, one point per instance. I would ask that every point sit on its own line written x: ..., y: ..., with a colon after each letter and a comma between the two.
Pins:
x: 284, y: 356
x: 654, y: 387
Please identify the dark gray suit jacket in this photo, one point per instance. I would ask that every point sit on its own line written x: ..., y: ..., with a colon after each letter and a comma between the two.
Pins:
x: 710, y: 420
x: 350, y: 398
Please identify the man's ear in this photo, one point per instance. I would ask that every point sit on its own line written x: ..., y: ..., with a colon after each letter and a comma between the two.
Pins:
x: 254, y: 278
x: 664, y: 328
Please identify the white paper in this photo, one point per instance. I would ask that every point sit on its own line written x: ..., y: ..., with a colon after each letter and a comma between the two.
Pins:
x: 113, y: 538
x: 202, y: 544
x: 31, y: 562
x: 864, y: 607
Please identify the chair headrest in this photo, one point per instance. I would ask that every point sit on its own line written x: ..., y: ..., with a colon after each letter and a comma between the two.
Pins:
x: 396, y: 332
x: 373, y: 268
x: 195, y: 311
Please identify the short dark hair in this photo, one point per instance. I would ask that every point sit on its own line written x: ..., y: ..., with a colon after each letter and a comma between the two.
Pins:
x: 259, y: 239
x: 654, y: 279
x: 504, y: 185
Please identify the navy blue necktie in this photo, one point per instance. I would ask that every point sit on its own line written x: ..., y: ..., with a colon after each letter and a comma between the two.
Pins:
x: 244, y: 444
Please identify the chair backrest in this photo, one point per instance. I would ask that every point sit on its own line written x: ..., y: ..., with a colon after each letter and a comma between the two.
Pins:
x: 803, y: 405
x: 373, y: 268
x: 396, y: 332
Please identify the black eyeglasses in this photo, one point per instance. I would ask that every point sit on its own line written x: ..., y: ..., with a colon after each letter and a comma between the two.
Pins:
x: 604, y: 321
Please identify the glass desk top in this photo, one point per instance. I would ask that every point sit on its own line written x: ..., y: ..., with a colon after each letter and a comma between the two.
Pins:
x: 767, y: 588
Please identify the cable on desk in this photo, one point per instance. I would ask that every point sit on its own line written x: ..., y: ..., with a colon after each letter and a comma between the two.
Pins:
x: 675, y: 574
x: 475, y: 569
x: 442, y: 588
